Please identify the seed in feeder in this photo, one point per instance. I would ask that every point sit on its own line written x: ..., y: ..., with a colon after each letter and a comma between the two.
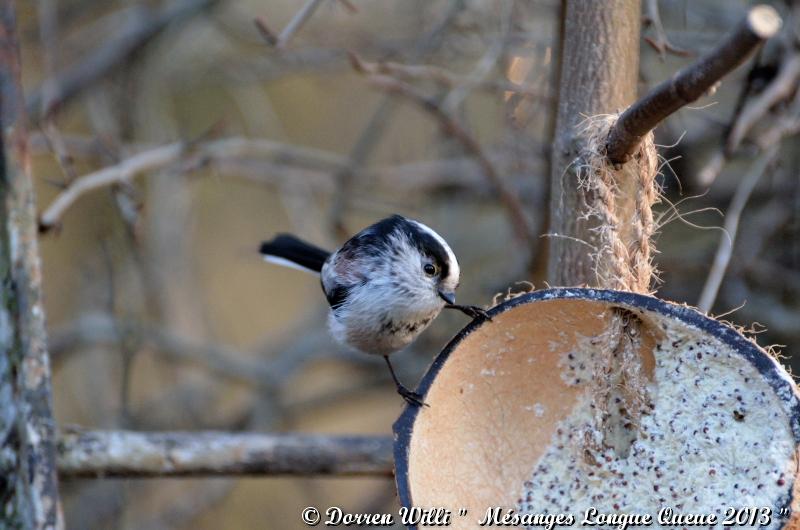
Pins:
x: 673, y: 438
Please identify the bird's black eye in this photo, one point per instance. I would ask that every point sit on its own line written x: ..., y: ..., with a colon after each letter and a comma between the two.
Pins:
x: 430, y: 269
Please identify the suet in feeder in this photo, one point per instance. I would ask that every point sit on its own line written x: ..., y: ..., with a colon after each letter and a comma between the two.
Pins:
x: 512, y: 421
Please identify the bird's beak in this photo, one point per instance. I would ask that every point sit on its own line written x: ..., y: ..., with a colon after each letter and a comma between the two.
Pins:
x: 449, y: 297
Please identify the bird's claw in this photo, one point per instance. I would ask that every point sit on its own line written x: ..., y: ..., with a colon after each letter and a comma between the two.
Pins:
x: 471, y: 311
x: 478, y: 312
x: 411, y: 397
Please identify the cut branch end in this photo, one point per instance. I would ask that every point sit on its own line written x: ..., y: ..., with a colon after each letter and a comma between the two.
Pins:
x: 764, y: 21
x: 688, y: 85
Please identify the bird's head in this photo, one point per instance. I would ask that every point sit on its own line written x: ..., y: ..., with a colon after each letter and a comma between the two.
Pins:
x: 409, y: 260
x: 438, y: 267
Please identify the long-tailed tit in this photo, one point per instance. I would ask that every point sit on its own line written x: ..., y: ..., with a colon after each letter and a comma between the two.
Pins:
x: 385, y: 285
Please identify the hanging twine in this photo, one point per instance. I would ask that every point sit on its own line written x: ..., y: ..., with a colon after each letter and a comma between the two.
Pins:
x: 623, y: 257
x: 619, y: 204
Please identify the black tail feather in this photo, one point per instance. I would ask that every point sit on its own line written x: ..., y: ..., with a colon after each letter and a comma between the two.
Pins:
x: 288, y: 247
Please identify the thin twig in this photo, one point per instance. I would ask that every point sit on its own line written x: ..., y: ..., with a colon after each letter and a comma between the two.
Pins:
x: 709, y: 172
x: 181, y: 454
x: 48, y: 34
x: 89, y: 147
x: 139, y: 31
x: 270, y: 162
x: 783, y: 86
x: 56, y: 141
x: 761, y: 23
x: 297, y: 22
x: 661, y: 42
x: 728, y: 237
x: 484, y: 66
x: 224, y: 361
x: 242, y: 156
x: 508, y: 197
x: 127, y: 344
x: 711, y: 169
x: 441, y: 76
x: 349, y: 6
x: 370, y: 135
x: 142, y: 162
x: 267, y: 34
x: 166, y: 155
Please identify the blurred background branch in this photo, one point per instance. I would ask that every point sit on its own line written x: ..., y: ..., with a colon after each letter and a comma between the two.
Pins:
x: 688, y: 85
x: 183, y: 454
x: 142, y: 24
x: 172, y: 136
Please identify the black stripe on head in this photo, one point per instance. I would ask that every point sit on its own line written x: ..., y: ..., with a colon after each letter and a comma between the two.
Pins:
x: 376, y: 237
x: 381, y: 230
x: 338, y: 296
x: 428, y: 245
x: 425, y: 242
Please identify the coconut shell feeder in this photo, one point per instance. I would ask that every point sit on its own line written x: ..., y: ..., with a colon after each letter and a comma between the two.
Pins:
x: 609, y: 398
x: 512, y: 401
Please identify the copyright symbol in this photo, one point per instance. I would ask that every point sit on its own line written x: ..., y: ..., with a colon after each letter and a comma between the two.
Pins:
x: 310, y: 516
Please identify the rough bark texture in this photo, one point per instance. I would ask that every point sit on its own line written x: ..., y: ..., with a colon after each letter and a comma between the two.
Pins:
x: 599, y: 71
x: 163, y: 454
x: 28, y: 481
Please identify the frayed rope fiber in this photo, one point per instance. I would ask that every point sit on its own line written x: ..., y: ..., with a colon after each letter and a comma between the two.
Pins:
x: 621, y: 199
x: 619, y: 203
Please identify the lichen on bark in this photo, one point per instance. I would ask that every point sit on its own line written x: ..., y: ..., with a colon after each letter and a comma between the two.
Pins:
x: 28, y: 482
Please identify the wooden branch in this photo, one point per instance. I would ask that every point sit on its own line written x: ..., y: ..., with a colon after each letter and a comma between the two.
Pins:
x: 100, y: 328
x: 266, y: 33
x: 370, y: 135
x: 780, y: 88
x: 166, y: 155
x: 28, y: 481
x: 349, y: 6
x: 263, y: 161
x: 140, y: 163
x: 599, y: 72
x: 297, y: 22
x: 140, y: 29
x: 442, y: 77
x: 276, y: 164
x: 761, y: 23
x: 728, y: 236
x: 661, y: 43
x: 787, y: 124
x: 508, y: 197
x: 182, y: 454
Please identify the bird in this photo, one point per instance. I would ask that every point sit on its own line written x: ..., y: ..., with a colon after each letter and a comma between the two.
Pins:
x: 384, y: 285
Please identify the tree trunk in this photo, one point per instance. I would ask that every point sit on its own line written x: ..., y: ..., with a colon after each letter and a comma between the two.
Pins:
x: 28, y: 481
x: 599, y: 71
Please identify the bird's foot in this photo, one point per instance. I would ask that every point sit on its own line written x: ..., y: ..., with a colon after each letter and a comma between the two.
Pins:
x: 411, y: 397
x: 471, y: 311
